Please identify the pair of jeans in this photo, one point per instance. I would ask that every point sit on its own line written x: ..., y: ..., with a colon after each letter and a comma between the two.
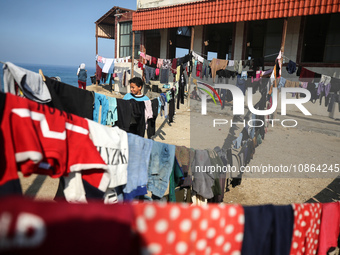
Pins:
x: 335, y: 98
x: 139, y: 157
x: 162, y: 160
x: 150, y: 73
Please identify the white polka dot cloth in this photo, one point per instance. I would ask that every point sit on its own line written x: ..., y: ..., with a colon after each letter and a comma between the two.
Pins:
x: 307, y: 218
x: 183, y: 229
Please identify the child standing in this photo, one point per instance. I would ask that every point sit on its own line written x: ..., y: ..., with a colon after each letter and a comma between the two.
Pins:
x: 136, y: 85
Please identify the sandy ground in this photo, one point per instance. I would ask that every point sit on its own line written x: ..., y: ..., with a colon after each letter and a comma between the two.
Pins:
x: 281, y: 146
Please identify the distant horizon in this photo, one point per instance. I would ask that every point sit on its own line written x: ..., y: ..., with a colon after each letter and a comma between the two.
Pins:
x: 51, y: 65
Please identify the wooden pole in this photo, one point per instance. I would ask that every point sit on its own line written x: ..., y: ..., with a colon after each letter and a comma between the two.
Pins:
x: 191, y: 49
x: 133, y: 53
x: 96, y: 52
x: 132, y: 58
x: 283, y: 41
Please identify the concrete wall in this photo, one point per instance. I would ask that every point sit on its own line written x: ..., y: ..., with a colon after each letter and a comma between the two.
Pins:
x: 292, y: 38
x: 198, y: 39
x: 164, y: 42
x: 238, y: 40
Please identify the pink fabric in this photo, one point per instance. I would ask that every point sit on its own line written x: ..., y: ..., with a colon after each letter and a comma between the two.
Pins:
x: 148, y: 111
x: 330, y: 223
x: 148, y: 58
x: 157, y: 71
x: 307, y: 219
x: 159, y: 63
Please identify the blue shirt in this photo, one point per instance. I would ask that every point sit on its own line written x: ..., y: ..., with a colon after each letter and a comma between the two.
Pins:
x: 129, y: 96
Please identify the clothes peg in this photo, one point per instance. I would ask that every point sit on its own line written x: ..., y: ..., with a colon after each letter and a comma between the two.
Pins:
x: 42, y: 75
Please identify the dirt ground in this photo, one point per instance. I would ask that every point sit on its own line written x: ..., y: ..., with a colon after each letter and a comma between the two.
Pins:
x: 281, y: 146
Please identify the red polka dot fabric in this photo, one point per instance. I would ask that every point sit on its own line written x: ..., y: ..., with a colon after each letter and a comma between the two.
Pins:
x: 183, y: 229
x: 307, y: 219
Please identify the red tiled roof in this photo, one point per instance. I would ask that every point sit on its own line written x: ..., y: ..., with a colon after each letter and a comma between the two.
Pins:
x: 225, y: 11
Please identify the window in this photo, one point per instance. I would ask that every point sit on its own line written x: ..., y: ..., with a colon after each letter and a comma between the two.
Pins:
x: 185, y: 31
x: 264, y: 39
x: 321, y: 39
x: 218, y: 40
x: 125, y: 40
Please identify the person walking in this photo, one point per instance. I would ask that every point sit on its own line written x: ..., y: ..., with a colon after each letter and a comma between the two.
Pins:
x: 82, y: 76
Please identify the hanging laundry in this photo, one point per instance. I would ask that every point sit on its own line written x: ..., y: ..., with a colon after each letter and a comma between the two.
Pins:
x: 149, y: 73
x: 238, y: 66
x: 217, y: 64
x: 164, y: 75
x: 172, y: 106
x: 30, y: 83
x: 307, y: 218
x: 203, y: 178
x: 112, y: 145
x: 159, y: 63
x: 112, y: 115
x: 151, y: 122
x: 139, y: 157
x: 174, y: 65
x: 166, y: 64
x: 148, y: 58
x: 161, y: 164
x: 306, y: 75
x: 148, y: 110
x: 205, y: 69
x: 197, y: 57
x: 175, y: 229
x: 291, y: 67
x: 218, y: 176
x: 70, y: 99
x: 329, y: 228
x: 268, y: 230
x: 184, y: 157
x: 50, y: 224
x: 45, y: 154
x: 107, y: 65
x: 241, y: 84
x: 98, y: 73
x: 100, y: 99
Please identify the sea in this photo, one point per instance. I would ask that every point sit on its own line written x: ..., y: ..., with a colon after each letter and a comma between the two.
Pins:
x: 67, y: 74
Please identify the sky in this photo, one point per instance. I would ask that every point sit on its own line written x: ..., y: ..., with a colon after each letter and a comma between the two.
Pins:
x: 54, y: 32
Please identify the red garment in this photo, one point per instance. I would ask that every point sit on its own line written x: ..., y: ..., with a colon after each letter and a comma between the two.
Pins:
x: 199, y: 69
x: 174, y: 65
x: 52, y: 143
x: 183, y: 229
x: 154, y: 61
x: 82, y: 84
x: 98, y: 73
x: 330, y: 223
x: 306, y: 75
x: 307, y: 219
x: 140, y: 65
x: 45, y: 227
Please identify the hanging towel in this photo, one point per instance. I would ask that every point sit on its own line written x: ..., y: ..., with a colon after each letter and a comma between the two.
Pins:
x: 31, y: 83
x: 217, y: 64
x: 100, y: 100
x: 107, y: 65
